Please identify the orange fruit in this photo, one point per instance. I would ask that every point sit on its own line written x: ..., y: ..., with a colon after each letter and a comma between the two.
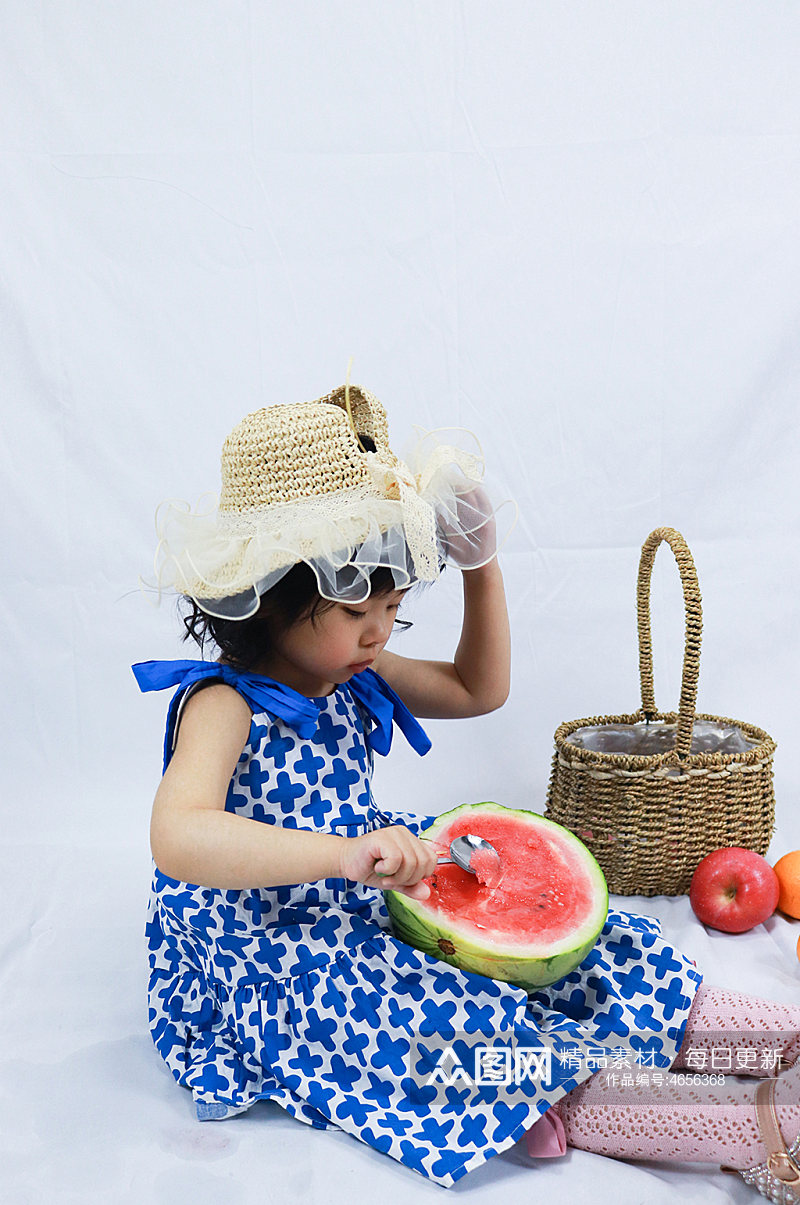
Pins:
x: 787, y: 869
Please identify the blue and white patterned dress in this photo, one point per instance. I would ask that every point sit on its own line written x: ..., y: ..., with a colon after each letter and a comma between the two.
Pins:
x: 302, y: 995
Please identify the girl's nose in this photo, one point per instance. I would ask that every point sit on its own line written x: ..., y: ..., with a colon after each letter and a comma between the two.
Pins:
x: 378, y: 630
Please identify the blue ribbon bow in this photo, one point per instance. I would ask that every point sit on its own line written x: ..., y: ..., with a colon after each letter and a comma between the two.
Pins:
x: 384, y: 707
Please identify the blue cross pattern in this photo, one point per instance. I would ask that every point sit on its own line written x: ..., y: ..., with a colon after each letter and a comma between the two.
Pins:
x: 359, y: 1110
x: 260, y: 813
x: 257, y: 734
x: 400, y: 1018
x: 398, y: 1125
x: 447, y: 1163
x: 418, y: 1098
x: 285, y: 792
x: 254, y: 777
x: 277, y: 747
x: 414, y: 1155
x: 227, y: 914
x: 306, y: 1061
x: 342, y: 1073
x: 380, y: 1089
x: 634, y: 983
x: 438, y: 1018
x: 508, y: 1119
x: 477, y: 985
x: 648, y: 926
x: 447, y: 983
x: 598, y: 989
x: 341, y: 779
x: 349, y: 816
x: 672, y: 998
x: 479, y: 1019
x: 610, y: 1022
x: 663, y: 961
x: 269, y: 954
x: 623, y: 950
x: 358, y: 753
x: 326, y: 929
x: 321, y: 1029
x: 644, y: 1018
x: 410, y: 985
x: 274, y: 1038
x: 357, y: 1041
x: 319, y: 1095
x: 317, y: 807
x: 472, y: 1130
x: 366, y: 1005
x: 333, y: 998
x: 381, y: 1142
x: 435, y: 1131
x: 211, y: 1079
x: 329, y: 734
x: 234, y: 799
x: 573, y: 1006
x: 309, y: 765
x: 455, y: 1099
x: 391, y: 1052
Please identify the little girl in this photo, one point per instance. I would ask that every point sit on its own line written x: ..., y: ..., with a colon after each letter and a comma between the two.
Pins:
x: 274, y: 973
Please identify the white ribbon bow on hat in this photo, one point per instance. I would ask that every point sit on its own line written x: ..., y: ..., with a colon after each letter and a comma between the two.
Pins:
x: 419, y: 516
x: 397, y: 482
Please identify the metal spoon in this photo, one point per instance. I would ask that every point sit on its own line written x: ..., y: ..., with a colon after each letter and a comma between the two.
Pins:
x: 462, y: 849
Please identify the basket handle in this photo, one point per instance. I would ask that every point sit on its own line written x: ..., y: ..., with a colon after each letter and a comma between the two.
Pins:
x: 694, y: 628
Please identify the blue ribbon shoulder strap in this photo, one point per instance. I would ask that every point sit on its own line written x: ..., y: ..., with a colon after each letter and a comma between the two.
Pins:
x: 299, y: 712
x: 260, y: 693
x: 387, y: 708
x: 263, y: 694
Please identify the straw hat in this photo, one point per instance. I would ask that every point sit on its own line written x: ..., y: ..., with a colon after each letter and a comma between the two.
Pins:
x: 318, y: 482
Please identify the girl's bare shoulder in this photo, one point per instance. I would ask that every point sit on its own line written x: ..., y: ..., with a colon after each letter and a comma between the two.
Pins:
x: 214, y: 713
x: 213, y: 727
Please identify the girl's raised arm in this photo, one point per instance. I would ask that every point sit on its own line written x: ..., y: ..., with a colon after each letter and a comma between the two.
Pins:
x: 477, y: 680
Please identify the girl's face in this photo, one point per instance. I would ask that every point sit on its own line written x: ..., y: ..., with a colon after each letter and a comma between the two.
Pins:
x: 314, y: 656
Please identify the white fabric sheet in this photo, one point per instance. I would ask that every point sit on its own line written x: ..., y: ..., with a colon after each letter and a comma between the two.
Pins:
x: 572, y: 228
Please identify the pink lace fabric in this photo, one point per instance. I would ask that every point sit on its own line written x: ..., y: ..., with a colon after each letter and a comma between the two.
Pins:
x: 677, y: 1123
x: 623, y: 1113
x: 758, y: 1033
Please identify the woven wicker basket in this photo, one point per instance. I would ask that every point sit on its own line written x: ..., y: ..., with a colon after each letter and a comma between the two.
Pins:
x: 650, y: 819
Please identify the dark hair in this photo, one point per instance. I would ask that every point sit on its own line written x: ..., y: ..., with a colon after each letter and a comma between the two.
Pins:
x: 244, y: 642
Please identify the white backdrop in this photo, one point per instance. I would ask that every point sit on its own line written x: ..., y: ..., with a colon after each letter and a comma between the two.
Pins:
x: 570, y: 227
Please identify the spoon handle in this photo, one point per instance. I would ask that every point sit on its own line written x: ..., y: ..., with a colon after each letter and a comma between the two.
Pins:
x: 443, y: 859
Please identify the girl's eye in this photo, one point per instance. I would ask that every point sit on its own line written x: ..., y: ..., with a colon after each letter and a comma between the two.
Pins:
x: 395, y: 607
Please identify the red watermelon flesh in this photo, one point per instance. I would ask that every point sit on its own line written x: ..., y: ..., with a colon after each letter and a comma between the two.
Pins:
x: 530, y: 921
x: 487, y: 867
x: 533, y: 875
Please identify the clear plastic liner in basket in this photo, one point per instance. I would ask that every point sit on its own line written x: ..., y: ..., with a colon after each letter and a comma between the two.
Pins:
x: 644, y: 740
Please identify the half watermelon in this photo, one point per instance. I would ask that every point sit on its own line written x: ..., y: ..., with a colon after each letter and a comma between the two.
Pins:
x: 533, y: 925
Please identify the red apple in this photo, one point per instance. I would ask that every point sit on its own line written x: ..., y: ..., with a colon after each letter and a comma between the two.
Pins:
x: 734, y: 889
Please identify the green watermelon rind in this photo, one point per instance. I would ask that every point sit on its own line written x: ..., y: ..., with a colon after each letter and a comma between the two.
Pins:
x: 525, y: 967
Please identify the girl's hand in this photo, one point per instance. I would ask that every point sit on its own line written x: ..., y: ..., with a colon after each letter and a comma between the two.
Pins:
x: 469, y: 537
x: 389, y: 858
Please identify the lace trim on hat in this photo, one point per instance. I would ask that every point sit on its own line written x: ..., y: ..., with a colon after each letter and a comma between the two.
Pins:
x: 411, y: 518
